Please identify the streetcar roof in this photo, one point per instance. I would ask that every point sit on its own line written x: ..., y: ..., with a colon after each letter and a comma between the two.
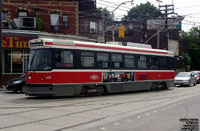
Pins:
x: 60, y: 43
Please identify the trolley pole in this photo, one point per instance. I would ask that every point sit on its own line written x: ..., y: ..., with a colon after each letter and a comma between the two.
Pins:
x: 1, y: 82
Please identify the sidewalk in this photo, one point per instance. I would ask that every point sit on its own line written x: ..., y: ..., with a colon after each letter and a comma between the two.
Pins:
x: 2, y: 89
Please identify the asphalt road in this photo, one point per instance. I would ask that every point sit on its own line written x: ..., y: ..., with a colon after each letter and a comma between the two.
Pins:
x: 166, y: 110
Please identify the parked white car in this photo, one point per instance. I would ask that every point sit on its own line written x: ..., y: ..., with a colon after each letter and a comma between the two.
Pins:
x: 185, y: 79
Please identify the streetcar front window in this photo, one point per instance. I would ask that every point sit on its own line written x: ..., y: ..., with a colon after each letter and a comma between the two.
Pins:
x: 40, y: 60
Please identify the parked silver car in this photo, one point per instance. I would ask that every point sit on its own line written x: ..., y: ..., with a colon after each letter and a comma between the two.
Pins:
x: 185, y: 78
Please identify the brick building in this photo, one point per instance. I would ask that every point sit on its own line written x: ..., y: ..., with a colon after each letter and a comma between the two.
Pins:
x: 48, y: 16
x: 24, y: 20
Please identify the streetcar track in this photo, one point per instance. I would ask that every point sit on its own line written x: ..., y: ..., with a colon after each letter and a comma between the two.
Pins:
x: 75, y: 104
x: 78, y: 112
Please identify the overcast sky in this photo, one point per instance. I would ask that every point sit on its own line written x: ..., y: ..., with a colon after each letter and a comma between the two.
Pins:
x: 188, y: 8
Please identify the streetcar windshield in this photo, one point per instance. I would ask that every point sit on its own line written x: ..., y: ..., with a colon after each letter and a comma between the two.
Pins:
x: 40, y: 60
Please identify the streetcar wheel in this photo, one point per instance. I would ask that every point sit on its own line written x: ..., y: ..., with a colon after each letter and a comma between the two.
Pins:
x: 100, y: 90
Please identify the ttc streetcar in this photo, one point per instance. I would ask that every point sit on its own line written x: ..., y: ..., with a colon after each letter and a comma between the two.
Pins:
x: 65, y: 68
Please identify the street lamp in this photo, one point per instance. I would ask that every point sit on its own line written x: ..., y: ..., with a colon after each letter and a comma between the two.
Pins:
x: 113, y: 26
x: 113, y: 31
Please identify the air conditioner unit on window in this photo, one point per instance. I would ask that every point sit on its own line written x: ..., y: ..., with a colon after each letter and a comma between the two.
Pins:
x: 24, y: 22
x: 28, y: 22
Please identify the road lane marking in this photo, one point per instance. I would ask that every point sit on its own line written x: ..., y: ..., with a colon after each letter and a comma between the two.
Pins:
x: 103, y: 128
x: 129, y: 120
x: 116, y: 124
x: 147, y: 114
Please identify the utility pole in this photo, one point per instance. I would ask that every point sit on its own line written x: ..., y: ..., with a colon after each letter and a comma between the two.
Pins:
x: 103, y: 25
x: 168, y: 9
x: 1, y: 84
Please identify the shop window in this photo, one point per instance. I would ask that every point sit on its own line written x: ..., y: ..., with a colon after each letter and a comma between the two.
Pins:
x: 55, y: 21
x: 7, y: 61
x: 17, y: 65
x: 15, y: 61
x: 26, y: 60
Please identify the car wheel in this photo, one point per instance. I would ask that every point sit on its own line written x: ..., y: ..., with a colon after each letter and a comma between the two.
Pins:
x: 190, y: 84
x: 194, y: 83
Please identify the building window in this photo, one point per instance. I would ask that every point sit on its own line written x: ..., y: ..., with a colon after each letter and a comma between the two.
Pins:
x: 65, y: 20
x: 15, y: 61
x: 93, y: 27
x: 4, y: 19
x: 4, y: 15
x: 23, y: 14
x: 87, y: 59
x: 55, y: 21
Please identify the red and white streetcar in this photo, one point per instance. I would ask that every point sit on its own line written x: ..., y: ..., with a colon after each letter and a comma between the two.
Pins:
x: 66, y: 67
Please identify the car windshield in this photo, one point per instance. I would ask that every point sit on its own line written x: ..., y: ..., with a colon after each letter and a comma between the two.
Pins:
x: 183, y: 74
x: 40, y: 60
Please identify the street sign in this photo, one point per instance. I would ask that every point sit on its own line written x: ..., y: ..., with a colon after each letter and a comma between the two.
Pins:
x: 159, y: 24
x: 121, y: 31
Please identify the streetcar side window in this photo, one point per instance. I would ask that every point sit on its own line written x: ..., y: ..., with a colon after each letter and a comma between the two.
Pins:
x: 87, y: 59
x: 103, y: 60
x: 171, y: 63
x: 63, y: 59
x: 142, y: 62
x: 129, y: 61
x: 153, y: 63
x: 163, y: 63
x: 116, y: 60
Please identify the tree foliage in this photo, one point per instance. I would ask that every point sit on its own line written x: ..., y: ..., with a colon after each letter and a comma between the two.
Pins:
x: 107, y: 14
x: 191, y: 46
x: 142, y: 11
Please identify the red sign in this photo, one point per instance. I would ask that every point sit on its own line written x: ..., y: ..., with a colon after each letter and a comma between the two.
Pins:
x: 15, y: 42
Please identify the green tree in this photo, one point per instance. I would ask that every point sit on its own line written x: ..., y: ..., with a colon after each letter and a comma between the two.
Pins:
x: 191, y: 46
x: 142, y: 11
x: 39, y: 23
x: 107, y: 14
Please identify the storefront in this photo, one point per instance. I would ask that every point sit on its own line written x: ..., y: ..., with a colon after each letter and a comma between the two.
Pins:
x: 15, y: 54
